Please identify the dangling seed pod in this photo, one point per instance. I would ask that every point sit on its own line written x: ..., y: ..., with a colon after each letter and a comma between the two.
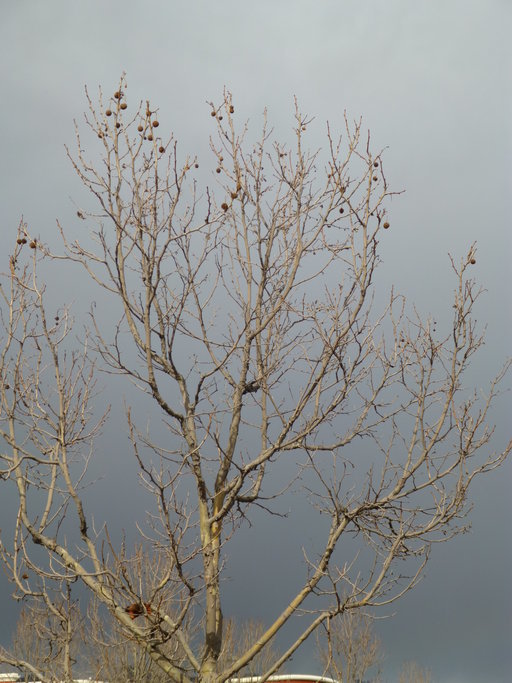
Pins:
x: 33, y: 244
x: 117, y: 94
x: 386, y: 225
x: 155, y: 124
x: 224, y: 206
x: 161, y: 149
x: 123, y: 105
x: 108, y: 112
x: 140, y: 128
x: 150, y: 137
x: 231, y: 109
x: 217, y: 170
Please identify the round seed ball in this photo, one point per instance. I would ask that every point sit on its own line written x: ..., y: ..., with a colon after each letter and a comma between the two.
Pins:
x: 108, y: 112
x: 117, y: 94
x: 161, y: 149
x: 224, y: 206
x: 123, y: 105
x: 155, y: 124
x: 342, y: 210
x: 473, y: 261
x: 150, y: 137
x: 231, y: 109
x: 386, y: 225
x: 217, y: 170
x: 376, y: 164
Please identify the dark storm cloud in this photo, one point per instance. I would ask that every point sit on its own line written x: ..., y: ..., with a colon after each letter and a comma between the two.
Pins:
x: 431, y: 81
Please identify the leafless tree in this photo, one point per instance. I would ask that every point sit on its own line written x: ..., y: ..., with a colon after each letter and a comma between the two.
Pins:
x: 351, y: 648
x: 250, y: 316
x: 47, y: 641
x: 411, y: 672
x: 237, y: 638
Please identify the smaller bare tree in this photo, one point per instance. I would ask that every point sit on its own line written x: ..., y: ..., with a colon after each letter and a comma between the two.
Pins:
x: 240, y: 637
x: 47, y: 640
x: 411, y: 672
x: 351, y: 648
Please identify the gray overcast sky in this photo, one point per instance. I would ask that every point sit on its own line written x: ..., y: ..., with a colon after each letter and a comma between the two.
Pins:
x: 432, y: 82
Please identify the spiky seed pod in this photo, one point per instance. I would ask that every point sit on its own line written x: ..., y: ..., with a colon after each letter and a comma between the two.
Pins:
x: 117, y: 94
x: 140, y: 128
x: 224, y: 206
x: 23, y: 240
x: 150, y: 137
x: 161, y: 149
x: 108, y: 112
x: 386, y: 225
x: 155, y: 124
x: 19, y: 240
x: 123, y: 105
x: 33, y: 244
x: 234, y: 195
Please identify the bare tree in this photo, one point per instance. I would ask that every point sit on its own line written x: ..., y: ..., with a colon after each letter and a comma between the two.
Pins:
x: 237, y: 638
x: 351, y: 649
x: 248, y: 315
x: 411, y: 672
x: 47, y: 641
